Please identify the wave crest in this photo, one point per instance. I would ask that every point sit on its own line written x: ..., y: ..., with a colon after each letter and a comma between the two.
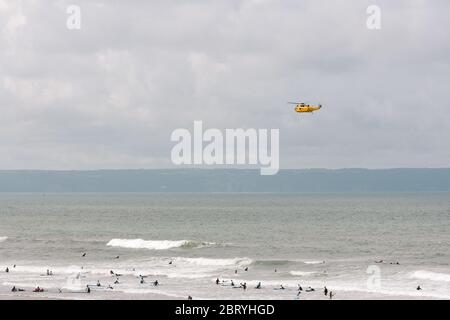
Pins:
x: 428, y: 275
x: 157, y: 244
x: 302, y: 273
x: 3, y: 239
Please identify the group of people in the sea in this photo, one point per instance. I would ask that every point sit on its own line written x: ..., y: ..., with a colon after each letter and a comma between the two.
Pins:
x: 243, y: 286
x: 230, y: 283
x: 88, y: 287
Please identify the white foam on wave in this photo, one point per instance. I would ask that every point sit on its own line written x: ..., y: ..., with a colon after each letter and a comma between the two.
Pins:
x: 215, y: 262
x: 313, y: 262
x: 302, y: 273
x: 392, y: 292
x: 428, y: 275
x: 147, y: 291
x: 3, y: 239
x: 42, y: 270
x: 147, y: 244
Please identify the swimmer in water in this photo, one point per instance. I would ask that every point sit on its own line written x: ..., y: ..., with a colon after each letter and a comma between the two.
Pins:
x: 325, y: 291
x: 217, y: 281
x: 258, y: 286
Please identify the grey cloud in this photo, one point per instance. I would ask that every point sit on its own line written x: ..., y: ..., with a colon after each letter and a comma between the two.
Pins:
x: 110, y: 94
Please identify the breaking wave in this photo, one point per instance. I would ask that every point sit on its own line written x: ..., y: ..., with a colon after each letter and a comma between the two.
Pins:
x: 215, y: 262
x: 157, y: 244
x: 3, y: 239
x: 314, y: 262
x: 428, y: 275
x: 302, y: 273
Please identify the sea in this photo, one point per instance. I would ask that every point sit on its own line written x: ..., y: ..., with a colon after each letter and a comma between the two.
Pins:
x: 359, y: 246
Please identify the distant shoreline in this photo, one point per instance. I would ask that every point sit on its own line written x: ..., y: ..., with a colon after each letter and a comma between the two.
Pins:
x: 312, y: 181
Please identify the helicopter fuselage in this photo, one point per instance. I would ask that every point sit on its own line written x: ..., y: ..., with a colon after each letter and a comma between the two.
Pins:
x: 301, y: 108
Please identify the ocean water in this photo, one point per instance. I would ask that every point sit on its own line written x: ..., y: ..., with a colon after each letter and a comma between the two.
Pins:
x: 186, y: 241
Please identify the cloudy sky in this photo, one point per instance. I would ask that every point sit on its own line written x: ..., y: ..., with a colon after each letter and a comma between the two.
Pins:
x: 110, y: 94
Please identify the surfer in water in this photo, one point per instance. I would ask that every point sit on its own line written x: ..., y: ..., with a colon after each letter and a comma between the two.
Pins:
x: 156, y: 283
x: 217, y: 281
x: 258, y: 286
x: 325, y: 291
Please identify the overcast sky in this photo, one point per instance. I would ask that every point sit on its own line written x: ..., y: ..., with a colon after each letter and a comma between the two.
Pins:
x: 110, y: 94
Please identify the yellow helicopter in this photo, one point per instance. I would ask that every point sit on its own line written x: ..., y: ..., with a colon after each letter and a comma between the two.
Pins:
x: 304, y: 107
